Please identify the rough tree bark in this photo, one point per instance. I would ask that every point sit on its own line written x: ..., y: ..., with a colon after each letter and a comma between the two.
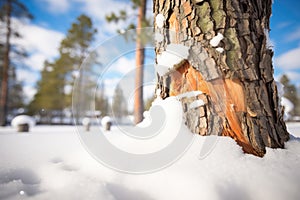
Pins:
x: 6, y: 63
x: 238, y: 89
x: 140, y: 54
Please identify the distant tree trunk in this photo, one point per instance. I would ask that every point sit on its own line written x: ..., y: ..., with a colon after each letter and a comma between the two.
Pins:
x: 140, y: 54
x: 238, y: 89
x: 6, y: 63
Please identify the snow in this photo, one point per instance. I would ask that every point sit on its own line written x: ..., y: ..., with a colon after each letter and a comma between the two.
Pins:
x: 50, y: 162
x: 105, y: 120
x: 280, y: 89
x: 269, y: 42
x: 196, y: 104
x: 158, y: 37
x: 86, y: 121
x: 159, y: 19
x: 189, y: 94
x: 75, y: 73
x: 286, y: 103
x: 174, y: 54
x: 216, y: 40
x: 122, y: 31
x: 49, y: 69
x: 162, y: 70
x: 158, y: 129
x: 220, y: 49
x: 22, y: 119
x: 157, y: 93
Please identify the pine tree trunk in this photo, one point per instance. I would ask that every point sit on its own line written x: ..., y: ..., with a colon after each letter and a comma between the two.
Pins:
x: 6, y: 63
x: 238, y: 89
x: 140, y: 54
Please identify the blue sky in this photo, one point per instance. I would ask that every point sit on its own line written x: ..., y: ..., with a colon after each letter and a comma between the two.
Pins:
x: 53, y: 18
x: 285, y: 35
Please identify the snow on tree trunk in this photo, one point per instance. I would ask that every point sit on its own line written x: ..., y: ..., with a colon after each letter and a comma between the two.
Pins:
x: 230, y: 66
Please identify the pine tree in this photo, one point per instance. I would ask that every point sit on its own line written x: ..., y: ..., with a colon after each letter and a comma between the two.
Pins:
x: 73, y: 49
x: 101, y: 101
x: 140, y: 52
x: 50, y: 93
x: 119, y: 105
x: 290, y: 92
x: 8, y: 10
x: 15, y: 93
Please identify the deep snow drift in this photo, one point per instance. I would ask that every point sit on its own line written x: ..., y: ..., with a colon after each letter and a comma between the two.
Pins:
x: 50, y: 163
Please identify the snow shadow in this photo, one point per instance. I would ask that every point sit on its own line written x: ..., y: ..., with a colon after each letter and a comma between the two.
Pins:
x: 232, y: 191
x: 59, y: 161
x: 120, y: 192
x: 294, y: 138
x: 13, y: 181
x: 56, y: 160
x: 69, y: 168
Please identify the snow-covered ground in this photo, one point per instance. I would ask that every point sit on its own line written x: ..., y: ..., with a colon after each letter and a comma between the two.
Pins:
x: 49, y: 163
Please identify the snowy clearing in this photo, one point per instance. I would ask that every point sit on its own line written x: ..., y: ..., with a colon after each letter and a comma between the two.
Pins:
x: 50, y: 163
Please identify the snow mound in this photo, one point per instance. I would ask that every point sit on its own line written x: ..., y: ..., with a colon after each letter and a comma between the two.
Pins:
x: 22, y: 119
x: 106, y: 120
x: 86, y: 121
x: 174, y: 54
x: 288, y: 105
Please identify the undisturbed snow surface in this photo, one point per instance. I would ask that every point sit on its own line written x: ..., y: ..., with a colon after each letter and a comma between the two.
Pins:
x: 50, y: 163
